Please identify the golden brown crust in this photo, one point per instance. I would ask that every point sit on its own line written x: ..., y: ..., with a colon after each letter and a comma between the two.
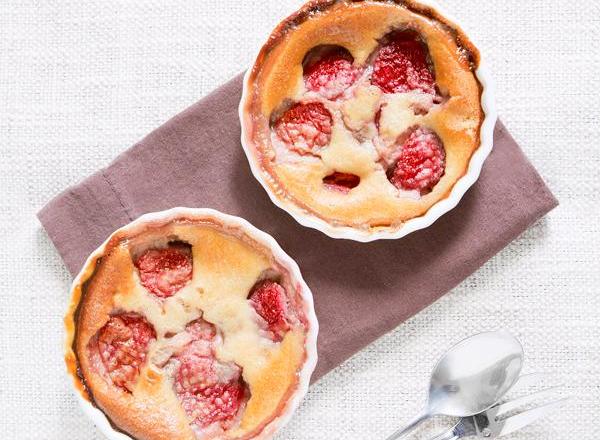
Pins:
x: 226, y: 264
x: 358, y: 26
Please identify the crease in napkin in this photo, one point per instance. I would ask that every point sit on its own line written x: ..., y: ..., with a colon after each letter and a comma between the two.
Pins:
x: 361, y: 291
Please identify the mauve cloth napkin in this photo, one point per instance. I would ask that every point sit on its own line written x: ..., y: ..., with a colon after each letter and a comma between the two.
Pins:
x: 361, y: 291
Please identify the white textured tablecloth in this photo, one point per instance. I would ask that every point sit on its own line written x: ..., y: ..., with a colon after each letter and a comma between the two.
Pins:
x: 80, y: 81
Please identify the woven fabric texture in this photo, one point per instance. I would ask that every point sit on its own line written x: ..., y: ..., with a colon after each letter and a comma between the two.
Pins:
x: 80, y: 81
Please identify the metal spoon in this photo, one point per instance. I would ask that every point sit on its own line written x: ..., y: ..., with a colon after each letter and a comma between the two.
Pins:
x: 471, y: 377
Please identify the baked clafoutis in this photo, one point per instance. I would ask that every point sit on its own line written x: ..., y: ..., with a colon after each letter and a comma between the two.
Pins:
x: 362, y: 114
x: 191, y: 325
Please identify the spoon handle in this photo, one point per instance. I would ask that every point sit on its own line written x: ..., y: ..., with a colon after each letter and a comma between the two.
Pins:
x: 450, y: 435
x: 410, y: 427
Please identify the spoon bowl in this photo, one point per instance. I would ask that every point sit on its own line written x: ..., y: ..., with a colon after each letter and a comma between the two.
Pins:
x: 471, y: 377
x: 474, y: 374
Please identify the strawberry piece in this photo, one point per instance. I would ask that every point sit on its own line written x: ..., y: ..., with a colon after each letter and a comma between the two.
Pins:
x: 402, y: 65
x: 165, y: 271
x: 219, y: 403
x: 269, y: 299
x: 342, y: 182
x: 201, y: 330
x: 203, y: 338
x: 306, y: 127
x: 328, y: 70
x: 211, y: 392
x: 195, y: 372
x: 123, y: 346
x: 421, y: 162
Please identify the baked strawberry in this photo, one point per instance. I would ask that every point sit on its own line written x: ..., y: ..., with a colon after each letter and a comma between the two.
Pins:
x: 402, y: 65
x: 165, y: 271
x: 201, y: 330
x: 195, y: 372
x: 342, y: 182
x: 123, y: 346
x: 305, y: 127
x: 270, y: 302
x: 217, y: 404
x: 210, y: 391
x: 329, y: 71
x: 421, y: 162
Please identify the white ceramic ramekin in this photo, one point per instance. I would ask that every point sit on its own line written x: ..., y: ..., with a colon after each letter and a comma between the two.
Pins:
x: 436, y: 211
x: 95, y: 414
